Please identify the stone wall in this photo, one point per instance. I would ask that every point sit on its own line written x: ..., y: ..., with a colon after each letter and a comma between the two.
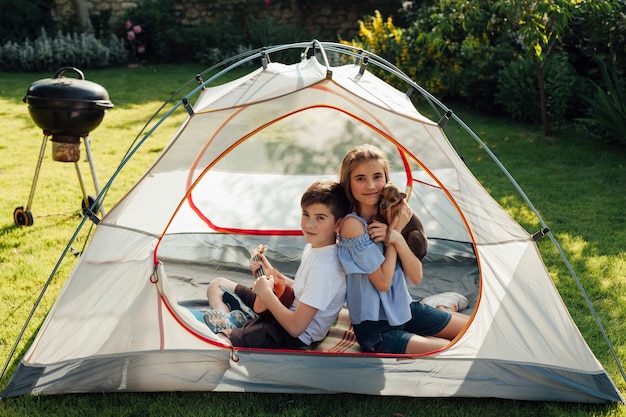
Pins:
x: 321, y: 17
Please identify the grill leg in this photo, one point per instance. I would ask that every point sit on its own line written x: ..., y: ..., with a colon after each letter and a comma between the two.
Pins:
x: 93, y: 172
x: 82, y: 184
x: 37, y: 170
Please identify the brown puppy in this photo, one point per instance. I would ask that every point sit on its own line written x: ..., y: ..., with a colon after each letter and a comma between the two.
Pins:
x: 390, y: 198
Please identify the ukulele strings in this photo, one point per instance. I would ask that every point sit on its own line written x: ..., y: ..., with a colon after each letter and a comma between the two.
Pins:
x: 261, y: 271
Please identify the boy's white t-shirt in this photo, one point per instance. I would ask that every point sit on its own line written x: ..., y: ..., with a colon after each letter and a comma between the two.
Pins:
x: 320, y: 282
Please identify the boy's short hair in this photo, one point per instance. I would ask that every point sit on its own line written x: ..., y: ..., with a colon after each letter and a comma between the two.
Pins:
x: 329, y: 193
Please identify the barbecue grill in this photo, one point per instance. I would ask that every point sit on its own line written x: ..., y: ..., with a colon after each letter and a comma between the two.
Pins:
x: 66, y: 109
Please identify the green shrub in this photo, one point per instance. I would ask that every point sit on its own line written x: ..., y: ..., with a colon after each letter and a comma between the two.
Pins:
x: 166, y: 40
x: 561, y: 82
x: 163, y: 38
x: 607, y: 107
x: 21, y: 20
x: 518, y: 94
x: 382, y: 37
x: 454, y: 50
x: 597, y: 34
x: 47, y: 54
x: 264, y: 30
x: 458, y: 48
x: 219, y: 41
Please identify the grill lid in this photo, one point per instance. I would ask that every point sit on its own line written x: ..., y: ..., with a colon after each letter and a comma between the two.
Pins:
x: 67, y: 106
x: 62, y: 89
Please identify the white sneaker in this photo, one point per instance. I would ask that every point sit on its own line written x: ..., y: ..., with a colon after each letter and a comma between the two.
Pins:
x: 451, y: 300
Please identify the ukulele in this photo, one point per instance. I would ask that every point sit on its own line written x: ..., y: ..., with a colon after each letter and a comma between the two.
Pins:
x: 283, y: 291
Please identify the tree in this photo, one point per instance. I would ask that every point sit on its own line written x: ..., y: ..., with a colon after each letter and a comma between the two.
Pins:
x: 539, y: 25
x: 82, y: 15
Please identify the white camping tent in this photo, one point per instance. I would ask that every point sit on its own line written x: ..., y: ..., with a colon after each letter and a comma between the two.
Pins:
x: 231, y: 178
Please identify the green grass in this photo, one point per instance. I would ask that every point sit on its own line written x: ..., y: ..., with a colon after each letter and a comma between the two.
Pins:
x: 577, y: 186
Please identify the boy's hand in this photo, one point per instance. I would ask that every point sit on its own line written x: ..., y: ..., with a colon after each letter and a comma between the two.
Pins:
x: 265, y: 262
x: 263, y: 286
x: 254, y: 267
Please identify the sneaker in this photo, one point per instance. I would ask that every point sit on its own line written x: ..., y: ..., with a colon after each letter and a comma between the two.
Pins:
x: 233, y: 302
x: 219, y: 321
x: 451, y: 300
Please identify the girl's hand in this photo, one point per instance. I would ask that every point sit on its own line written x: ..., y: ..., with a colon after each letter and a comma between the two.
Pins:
x: 377, y: 231
x: 396, y: 238
x: 404, y: 216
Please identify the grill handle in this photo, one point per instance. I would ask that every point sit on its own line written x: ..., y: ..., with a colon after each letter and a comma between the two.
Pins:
x: 76, y: 70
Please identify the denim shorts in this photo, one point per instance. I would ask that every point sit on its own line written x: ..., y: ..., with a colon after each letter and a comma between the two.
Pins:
x: 379, y: 336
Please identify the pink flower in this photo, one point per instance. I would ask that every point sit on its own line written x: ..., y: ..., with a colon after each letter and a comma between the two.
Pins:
x: 133, y: 38
x: 267, y: 2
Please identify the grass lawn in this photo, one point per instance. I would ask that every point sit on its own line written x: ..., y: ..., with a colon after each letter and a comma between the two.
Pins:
x: 577, y: 185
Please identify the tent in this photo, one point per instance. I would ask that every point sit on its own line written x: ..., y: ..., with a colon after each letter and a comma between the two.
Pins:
x: 230, y: 179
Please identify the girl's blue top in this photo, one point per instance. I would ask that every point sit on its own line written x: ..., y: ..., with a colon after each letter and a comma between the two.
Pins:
x: 359, y: 257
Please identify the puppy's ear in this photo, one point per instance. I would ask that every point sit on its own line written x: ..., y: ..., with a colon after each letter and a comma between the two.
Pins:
x: 403, y: 195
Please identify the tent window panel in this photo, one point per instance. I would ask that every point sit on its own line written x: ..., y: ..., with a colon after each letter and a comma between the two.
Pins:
x: 311, y: 141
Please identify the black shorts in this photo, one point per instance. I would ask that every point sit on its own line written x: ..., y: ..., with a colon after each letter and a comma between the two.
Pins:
x: 261, y: 332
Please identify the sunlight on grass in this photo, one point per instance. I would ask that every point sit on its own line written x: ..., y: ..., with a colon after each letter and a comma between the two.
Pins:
x: 521, y: 213
x: 574, y: 246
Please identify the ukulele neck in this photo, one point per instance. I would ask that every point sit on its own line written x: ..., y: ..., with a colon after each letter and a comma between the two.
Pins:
x: 261, y: 271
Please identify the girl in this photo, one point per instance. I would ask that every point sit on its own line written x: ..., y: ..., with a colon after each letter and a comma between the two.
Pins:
x: 384, y: 317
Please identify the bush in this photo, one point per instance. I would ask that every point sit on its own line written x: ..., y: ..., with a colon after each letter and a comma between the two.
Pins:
x: 518, y: 93
x: 453, y: 52
x: 561, y: 82
x: 168, y: 41
x: 219, y: 41
x: 20, y: 20
x: 468, y: 51
x: 607, y: 107
x: 164, y: 39
x: 161, y: 39
x: 458, y: 48
x: 381, y: 37
x: 48, y: 54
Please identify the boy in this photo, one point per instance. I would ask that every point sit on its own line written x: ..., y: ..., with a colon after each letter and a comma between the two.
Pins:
x: 319, y: 285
